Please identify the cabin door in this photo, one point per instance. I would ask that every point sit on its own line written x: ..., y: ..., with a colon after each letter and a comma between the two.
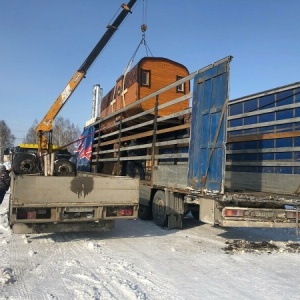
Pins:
x: 207, y: 155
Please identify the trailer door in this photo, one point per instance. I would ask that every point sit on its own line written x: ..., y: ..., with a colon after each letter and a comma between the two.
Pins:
x: 208, y: 128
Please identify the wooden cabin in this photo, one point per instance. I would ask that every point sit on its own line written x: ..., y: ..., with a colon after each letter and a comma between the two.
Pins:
x: 147, y: 76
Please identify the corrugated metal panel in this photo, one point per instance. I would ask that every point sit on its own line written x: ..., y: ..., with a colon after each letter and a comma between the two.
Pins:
x: 208, y: 129
x: 263, y: 141
x: 263, y: 132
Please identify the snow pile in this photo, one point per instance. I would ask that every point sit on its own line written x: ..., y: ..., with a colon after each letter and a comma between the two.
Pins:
x: 6, y: 273
x: 6, y: 276
x: 7, y: 165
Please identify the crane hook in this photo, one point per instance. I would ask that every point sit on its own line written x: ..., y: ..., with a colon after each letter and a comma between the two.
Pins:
x: 144, y: 27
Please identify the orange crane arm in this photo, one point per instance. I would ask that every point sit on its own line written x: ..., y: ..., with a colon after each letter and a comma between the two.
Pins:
x: 46, y: 124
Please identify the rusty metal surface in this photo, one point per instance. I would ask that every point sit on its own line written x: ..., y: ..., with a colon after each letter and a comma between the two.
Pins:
x: 208, y: 129
x: 59, y: 190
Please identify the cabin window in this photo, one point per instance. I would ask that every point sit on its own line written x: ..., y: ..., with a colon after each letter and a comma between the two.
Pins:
x: 145, y: 77
x: 119, y: 91
x: 180, y: 87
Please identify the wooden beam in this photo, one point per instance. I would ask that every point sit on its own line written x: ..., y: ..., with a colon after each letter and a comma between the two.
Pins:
x: 144, y: 134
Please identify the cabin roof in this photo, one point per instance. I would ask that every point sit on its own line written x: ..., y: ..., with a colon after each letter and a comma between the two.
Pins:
x: 132, y: 74
x: 162, y: 59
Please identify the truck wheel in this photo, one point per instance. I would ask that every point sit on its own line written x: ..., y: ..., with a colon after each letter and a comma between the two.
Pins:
x: 144, y: 212
x: 63, y: 166
x: 159, y: 209
x: 25, y: 164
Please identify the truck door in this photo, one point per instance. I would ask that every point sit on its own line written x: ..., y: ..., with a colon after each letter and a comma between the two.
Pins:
x: 208, y: 128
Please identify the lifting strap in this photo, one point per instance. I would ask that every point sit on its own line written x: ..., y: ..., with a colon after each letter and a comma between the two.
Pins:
x: 142, y: 42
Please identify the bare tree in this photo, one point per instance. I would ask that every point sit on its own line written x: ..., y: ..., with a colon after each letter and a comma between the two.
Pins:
x: 30, y: 137
x: 7, y: 139
x: 64, y: 133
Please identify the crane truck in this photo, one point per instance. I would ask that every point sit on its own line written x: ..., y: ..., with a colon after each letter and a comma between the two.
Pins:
x: 47, y: 195
x: 229, y: 163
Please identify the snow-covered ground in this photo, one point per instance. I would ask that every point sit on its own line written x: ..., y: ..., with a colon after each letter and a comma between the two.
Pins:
x: 138, y: 260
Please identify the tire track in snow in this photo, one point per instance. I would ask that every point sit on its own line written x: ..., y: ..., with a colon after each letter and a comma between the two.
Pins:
x: 14, y: 265
x: 115, y: 277
x: 98, y: 282
x: 157, y: 285
x: 81, y: 282
x: 18, y: 263
x: 51, y: 256
x: 30, y: 258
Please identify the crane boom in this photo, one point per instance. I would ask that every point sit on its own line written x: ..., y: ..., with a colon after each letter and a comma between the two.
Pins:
x: 46, y: 124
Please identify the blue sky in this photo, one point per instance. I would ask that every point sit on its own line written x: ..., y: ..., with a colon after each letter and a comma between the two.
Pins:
x: 44, y: 42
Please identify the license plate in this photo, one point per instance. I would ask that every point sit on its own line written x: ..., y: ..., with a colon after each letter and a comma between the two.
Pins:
x: 264, y: 214
x: 79, y: 209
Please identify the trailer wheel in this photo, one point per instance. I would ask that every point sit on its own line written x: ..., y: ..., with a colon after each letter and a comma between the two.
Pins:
x: 63, y: 166
x: 159, y: 209
x: 145, y: 212
x: 25, y: 163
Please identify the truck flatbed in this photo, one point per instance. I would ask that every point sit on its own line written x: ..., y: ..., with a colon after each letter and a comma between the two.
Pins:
x: 59, y: 203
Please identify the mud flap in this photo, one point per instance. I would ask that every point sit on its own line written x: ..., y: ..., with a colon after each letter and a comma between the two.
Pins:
x: 175, y: 209
x: 174, y: 221
x: 207, y: 210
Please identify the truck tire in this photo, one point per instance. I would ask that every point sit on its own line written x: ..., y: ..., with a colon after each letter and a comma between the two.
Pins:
x: 63, y: 167
x: 159, y: 209
x: 25, y: 163
x: 144, y: 212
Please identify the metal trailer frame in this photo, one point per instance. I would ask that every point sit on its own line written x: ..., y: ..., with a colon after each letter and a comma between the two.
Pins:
x: 184, y: 184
